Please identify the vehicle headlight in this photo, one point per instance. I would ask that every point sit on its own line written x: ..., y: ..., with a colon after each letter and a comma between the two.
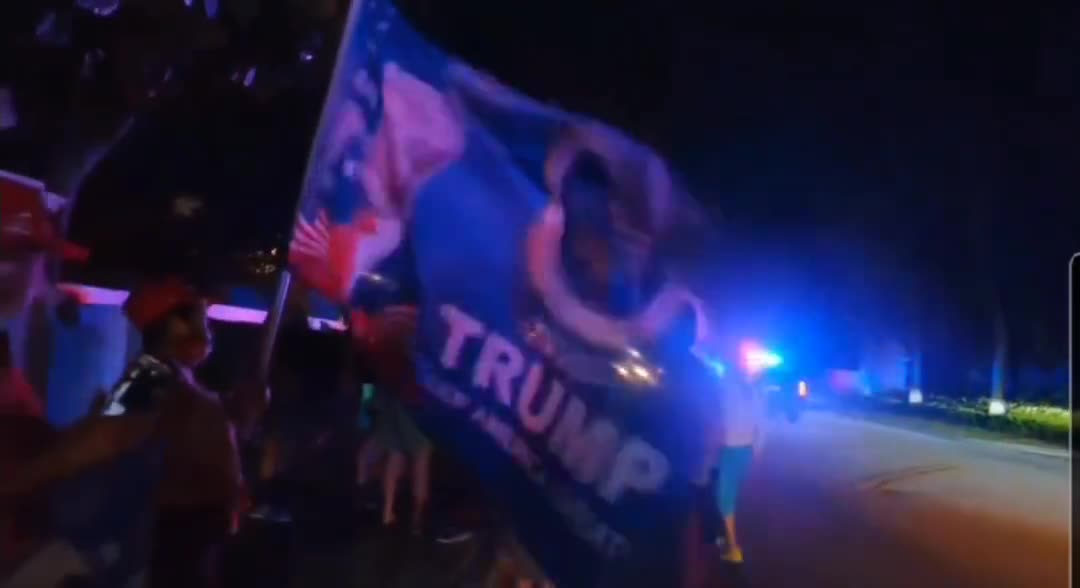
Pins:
x: 637, y: 373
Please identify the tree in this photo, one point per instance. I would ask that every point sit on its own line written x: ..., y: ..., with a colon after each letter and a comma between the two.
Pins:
x: 987, y: 137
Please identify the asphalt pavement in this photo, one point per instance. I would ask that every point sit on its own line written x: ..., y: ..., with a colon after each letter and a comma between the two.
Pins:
x: 837, y: 502
x: 834, y: 502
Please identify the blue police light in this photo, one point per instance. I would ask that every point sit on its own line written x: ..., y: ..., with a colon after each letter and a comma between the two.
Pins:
x: 767, y: 359
x: 758, y: 358
x: 754, y: 359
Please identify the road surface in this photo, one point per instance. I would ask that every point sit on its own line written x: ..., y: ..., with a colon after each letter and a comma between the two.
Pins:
x: 840, y: 502
x: 834, y: 502
x: 837, y: 502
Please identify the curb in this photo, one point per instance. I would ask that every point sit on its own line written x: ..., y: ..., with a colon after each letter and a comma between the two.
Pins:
x: 1032, y: 448
x: 1023, y: 447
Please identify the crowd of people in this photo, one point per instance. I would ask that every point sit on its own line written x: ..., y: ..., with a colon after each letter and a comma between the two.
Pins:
x: 160, y: 430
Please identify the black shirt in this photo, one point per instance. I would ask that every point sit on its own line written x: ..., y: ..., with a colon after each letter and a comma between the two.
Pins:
x: 143, y: 387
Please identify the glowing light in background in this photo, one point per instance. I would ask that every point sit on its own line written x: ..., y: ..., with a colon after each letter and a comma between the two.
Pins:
x: 757, y: 358
x: 636, y: 371
x: 92, y: 295
x: 804, y: 390
x: 915, y: 396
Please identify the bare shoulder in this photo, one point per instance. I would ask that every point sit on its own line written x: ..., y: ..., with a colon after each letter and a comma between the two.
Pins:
x: 208, y: 402
x: 187, y: 402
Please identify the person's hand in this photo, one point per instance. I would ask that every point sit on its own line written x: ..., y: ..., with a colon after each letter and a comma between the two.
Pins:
x: 247, y: 403
x: 759, y: 448
x: 256, y: 393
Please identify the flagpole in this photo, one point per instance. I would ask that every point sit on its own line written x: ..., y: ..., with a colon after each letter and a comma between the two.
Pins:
x: 273, y: 325
x: 273, y: 320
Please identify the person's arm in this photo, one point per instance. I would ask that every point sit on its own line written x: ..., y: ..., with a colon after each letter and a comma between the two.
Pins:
x: 246, y: 406
x: 92, y: 441
x: 28, y: 401
x: 760, y: 424
x: 133, y: 416
x: 759, y: 441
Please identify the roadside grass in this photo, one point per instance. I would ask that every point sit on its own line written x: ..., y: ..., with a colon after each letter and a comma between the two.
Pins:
x: 970, y: 418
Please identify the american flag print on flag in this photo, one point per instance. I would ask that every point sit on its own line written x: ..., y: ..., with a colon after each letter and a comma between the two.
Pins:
x: 529, y: 252
x: 311, y: 239
x: 365, y: 170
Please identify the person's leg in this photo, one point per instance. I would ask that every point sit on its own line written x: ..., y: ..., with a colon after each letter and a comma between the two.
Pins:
x: 733, y: 466
x: 734, y: 550
x: 271, y: 458
x: 365, y: 457
x: 395, y: 467
x: 421, y: 485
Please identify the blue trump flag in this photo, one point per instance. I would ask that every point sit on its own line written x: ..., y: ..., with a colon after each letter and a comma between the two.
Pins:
x: 546, y: 255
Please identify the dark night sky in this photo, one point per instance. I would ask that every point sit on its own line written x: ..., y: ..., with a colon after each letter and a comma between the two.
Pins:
x: 815, y: 129
x: 824, y: 137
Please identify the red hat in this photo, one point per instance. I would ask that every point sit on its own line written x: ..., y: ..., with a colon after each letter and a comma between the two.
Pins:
x: 25, y: 226
x: 152, y: 301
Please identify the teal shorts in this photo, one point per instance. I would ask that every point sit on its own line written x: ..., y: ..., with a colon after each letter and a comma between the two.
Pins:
x: 734, y: 464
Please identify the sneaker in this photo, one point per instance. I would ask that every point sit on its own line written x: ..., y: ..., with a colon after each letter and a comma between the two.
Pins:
x: 270, y: 514
x: 453, y: 536
x: 417, y: 528
x: 259, y: 513
x: 366, y: 502
x: 733, y: 555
